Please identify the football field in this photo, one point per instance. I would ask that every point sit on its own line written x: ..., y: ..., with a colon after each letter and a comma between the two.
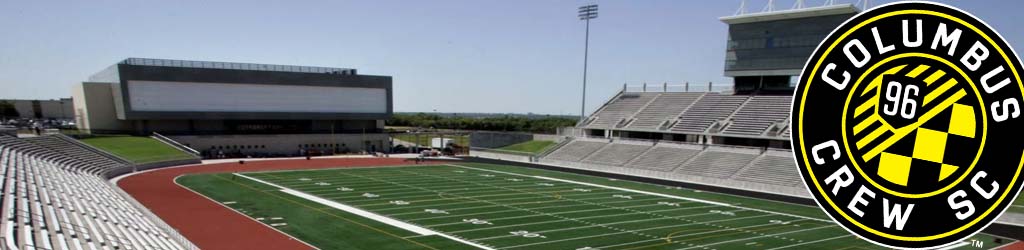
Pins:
x: 481, y: 206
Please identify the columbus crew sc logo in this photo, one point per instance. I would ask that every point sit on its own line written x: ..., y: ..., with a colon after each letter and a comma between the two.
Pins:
x: 906, y: 125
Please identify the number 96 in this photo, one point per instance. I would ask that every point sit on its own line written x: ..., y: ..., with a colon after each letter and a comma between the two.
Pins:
x: 900, y: 100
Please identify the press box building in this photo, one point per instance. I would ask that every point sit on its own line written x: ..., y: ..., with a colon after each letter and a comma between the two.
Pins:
x: 238, y: 107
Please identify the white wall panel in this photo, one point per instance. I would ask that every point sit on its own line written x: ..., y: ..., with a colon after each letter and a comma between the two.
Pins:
x: 221, y: 97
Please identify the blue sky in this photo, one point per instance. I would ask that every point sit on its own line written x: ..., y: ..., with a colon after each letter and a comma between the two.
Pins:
x: 452, y: 56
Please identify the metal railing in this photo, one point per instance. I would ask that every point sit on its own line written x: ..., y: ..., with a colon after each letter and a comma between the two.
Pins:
x: 238, y: 66
x: 683, y: 87
x: 175, y: 144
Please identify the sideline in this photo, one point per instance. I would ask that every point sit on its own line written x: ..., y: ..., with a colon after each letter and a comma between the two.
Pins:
x: 646, y: 192
x: 366, y: 214
x: 240, y: 213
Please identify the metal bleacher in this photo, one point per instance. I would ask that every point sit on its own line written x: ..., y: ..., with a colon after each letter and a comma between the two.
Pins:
x: 758, y: 114
x: 718, y: 162
x: 665, y: 107
x: 641, y: 137
x: 90, y: 161
x: 706, y: 111
x: 616, y: 154
x: 623, y: 106
x: 52, y: 201
x: 744, y: 164
x: 577, y: 150
x: 665, y: 158
x: 774, y: 167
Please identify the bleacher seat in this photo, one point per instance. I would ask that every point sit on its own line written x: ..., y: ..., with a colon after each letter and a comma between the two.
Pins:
x: 710, y: 108
x: 775, y: 168
x: 666, y: 106
x: 616, y: 154
x: 622, y: 107
x: 758, y: 114
x: 717, y: 163
x: 51, y: 201
x: 576, y: 150
x: 664, y: 158
x: 90, y: 161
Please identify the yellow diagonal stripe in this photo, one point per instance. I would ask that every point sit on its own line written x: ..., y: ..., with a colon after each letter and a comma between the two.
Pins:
x: 871, y: 136
x: 904, y: 131
x: 938, y: 91
x: 917, y: 71
x: 934, y: 77
x: 878, y: 80
x: 864, y: 107
x: 864, y: 124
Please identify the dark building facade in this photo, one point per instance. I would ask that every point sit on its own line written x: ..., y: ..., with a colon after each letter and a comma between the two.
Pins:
x: 767, y: 51
x: 211, y: 99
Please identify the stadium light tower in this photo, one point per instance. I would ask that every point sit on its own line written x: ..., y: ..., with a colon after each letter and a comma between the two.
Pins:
x: 586, y: 13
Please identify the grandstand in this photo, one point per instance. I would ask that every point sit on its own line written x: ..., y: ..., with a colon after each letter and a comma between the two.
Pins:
x: 710, y: 109
x: 737, y: 138
x: 96, y: 162
x: 662, y: 109
x: 54, y: 198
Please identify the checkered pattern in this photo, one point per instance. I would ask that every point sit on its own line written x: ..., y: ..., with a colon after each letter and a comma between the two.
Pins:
x: 929, y: 148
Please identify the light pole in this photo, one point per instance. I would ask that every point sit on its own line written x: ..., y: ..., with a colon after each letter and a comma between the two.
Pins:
x: 586, y: 13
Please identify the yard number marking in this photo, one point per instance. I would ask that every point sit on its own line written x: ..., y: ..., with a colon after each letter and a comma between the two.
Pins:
x: 435, y: 211
x: 476, y: 221
x: 527, y: 234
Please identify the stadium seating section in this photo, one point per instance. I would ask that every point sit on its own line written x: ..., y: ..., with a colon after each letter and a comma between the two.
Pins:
x: 695, y: 113
x: 93, y: 162
x: 692, y: 113
x: 758, y: 114
x: 663, y: 108
x: 755, y: 165
x: 706, y: 111
x: 54, y: 198
x: 621, y: 107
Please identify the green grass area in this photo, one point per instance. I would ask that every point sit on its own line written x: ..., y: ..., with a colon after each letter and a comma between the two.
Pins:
x: 137, y: 149
x: 424, y: 139
x: 506, y: 207
x: 532, y: 147
x: 1018, y: 206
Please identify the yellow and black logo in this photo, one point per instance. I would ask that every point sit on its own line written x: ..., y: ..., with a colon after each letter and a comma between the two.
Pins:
x: 906, y: 124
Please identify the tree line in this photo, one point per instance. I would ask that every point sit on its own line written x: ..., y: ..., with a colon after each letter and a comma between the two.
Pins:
x: 545, y: 124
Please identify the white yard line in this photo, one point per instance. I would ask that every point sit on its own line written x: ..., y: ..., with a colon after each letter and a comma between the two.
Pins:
x: 240, y: 213
x: 647, y: 193
x: 346, y: 208
x: 536, y: 215
x: 524, y: 203
x: 646, y: 229
x: 954, y: 246
x: 505, y: 199
x: 436, y: 198
x: 811, y: 242
x: 343, y: 181
x: 390, y: 191
x: 366, y: 214
x: 562, y: 220
x: 604, y: 225
x: 758, y: 237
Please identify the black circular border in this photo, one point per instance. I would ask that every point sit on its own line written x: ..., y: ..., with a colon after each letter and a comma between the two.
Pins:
x: 799, y: 152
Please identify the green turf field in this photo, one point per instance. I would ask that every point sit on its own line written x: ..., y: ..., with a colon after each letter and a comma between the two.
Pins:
x: 137, y: 149
x: 531, y: 147
x: 506, y: 207
x: 1018, y: 206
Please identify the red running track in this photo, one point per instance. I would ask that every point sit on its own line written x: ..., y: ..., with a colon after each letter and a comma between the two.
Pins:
x: 212, y: 226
